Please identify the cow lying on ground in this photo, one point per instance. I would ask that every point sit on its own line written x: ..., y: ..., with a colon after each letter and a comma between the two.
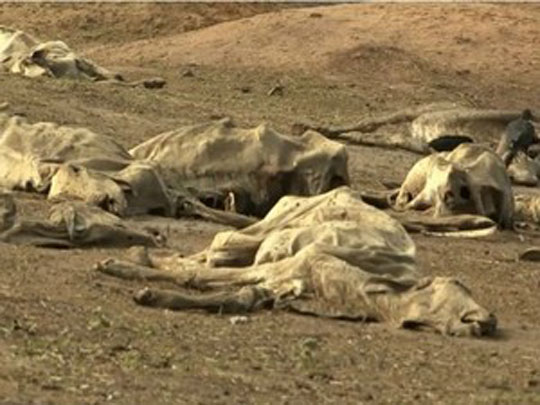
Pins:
x: 422, y: 124
x: 246, y: 169
x: 481, y: 125
x: 330, y: 255
x: 469, y: 180
x: 22, y: 54
x: 442, y: 127
x: 515, y: 134
x: 258, y: 165
x: 70, y: 224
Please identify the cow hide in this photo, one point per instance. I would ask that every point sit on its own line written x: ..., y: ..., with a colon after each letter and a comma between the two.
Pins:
x: 469, y: 180
x: 22, y: 54
x: 243, y: 170
x: 330, y: 255
x: 481, y: 125
x: 258, y: 166
x: 524, y: 170
x: 70, y: 224
x: 30, y: 154
x: 528, y: 208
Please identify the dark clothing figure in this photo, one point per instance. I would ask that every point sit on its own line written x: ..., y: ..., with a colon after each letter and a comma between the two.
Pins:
x: 519, y: 136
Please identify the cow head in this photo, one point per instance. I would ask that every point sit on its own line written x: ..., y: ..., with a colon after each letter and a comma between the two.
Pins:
x: 54, y: 58
x: 93, y: 187
x: 454, y: 194
x: 446, y: 305
x: 469, y: 180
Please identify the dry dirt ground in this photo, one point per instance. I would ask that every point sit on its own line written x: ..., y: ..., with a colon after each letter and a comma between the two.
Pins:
x: 71, y: 336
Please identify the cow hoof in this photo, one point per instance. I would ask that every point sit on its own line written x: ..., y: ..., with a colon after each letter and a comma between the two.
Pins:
x: 484, y: 328
x: 154, y: 83
x: 102, y: 266
x: 144, y: 297
x: 531, y: 255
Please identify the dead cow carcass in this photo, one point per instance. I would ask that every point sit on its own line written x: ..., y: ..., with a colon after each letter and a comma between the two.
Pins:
x: 70, y: 224
x: 23, y: 54
x: 20, y: 53
x: 244, y: 169
x: 330, y: 255
x: 469, y: 180
x: 250, y: 169
x: 77, y: 163
x: 514, y: 131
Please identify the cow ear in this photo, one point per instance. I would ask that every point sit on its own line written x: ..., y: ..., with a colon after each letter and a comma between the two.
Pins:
x: 73, y: 168
x: 52, y: 160
x: 38, y: 54
x: 124, y: 186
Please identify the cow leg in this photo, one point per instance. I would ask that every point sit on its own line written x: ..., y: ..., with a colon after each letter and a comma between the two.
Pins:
x: 188, y: 207
x: 379, y: 199
x: 193, y: 274
x: 129, y: 271
x: 422, y: 201
x: 246, y: 299
x: 454, y: 225
x: 505, y: 210
x: 531, y: 254
x: 476, y: 196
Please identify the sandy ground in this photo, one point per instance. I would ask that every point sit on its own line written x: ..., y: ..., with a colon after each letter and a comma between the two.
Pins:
x: 69, y: 335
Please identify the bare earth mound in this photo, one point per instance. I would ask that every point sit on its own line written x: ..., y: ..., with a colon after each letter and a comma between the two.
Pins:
x: 395, y: 42
x: 117, y: 23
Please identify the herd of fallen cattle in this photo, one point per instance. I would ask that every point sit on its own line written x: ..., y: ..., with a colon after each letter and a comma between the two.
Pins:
x: 305, y: 241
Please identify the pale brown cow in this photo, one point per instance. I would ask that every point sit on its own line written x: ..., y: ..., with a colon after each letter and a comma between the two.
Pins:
x: 330, y: 255
x: 469, y: 180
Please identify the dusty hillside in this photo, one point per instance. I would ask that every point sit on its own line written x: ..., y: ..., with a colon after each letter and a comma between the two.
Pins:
x: 396, y: 46
x: 479, y: 38
x: 85, y: 24
x: 69, y: 335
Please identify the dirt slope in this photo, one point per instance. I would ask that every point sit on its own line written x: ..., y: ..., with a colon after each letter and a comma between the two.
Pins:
x: 399, y: 42
x: 99, y: 23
